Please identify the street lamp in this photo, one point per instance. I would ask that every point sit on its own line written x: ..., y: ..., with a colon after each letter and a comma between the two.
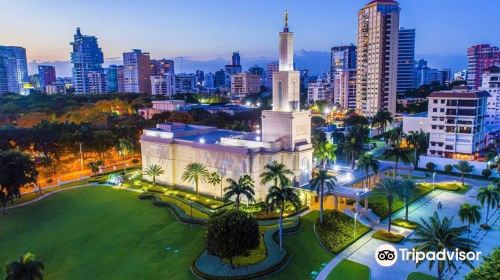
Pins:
x: 433, y: 178
x: 355, y: 219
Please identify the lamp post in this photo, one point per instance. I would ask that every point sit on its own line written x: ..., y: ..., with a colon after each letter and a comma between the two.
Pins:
x: 355, y: 219
x: 433, y: 178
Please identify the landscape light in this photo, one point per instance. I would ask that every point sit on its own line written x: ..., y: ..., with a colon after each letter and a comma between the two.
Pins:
x: 202, y: 140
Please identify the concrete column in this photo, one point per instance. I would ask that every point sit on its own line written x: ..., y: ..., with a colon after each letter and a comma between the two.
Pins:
x: 366, y: 204
x: 336, y: 202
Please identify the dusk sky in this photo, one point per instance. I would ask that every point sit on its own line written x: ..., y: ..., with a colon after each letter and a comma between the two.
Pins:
x: 206, y: 32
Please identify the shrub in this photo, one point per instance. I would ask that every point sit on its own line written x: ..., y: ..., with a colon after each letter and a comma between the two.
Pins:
x: 135, y: 161
x: 486, y: 173
x: 156, y: 189
x: 49, y: 180
x: 430, y: 166
x: 232, y: 234
x: 448, y: 168
x: 489, y: 268
x: 386, y: 236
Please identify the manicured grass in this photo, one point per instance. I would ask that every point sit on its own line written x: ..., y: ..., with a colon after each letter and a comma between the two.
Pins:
x: 337, y: 231
x: 307, y: 253
x: 101, y: 233
x: 406, y: 224
x: 349, y: 270
x: 378, y: 202
x: 420, y: 276
x: 385, y: 236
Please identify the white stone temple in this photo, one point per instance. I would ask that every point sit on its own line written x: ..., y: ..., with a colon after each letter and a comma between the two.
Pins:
x: 285, y: 137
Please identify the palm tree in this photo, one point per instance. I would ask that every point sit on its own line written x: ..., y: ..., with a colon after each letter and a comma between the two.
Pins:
x: 276, y: 173
x: 419, y: 141
x: 388, y: 187
x: 395, y: 135
x: 321, y: 181
x: 195, y: 173
x: 463, y: 167
x: 124, y: 148
x: 367, y: 162
x: 436, y: 235
x: 470, y: 214
x: 277, y: 199
x: 243, y: 187
x: 405, y: 191
x: 489, y: 195
x: 398, y: 154
x: 94, y: 166
x: 324, y: 152
x: 27, y: 267
x: 214, y: 179
x: 381, y: 119
x: 153, y: 171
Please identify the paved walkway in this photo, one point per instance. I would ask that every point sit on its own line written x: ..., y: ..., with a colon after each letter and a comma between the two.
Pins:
x: 363, y: 250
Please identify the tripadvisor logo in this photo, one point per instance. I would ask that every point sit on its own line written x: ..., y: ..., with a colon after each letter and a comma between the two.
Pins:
x: 387, y: 255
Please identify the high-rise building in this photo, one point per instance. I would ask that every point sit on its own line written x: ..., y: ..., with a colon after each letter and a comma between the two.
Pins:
x: 185, y: 83
x: 220, y: 78
x: 343, y: 75
x: 480, y: 57
x: 86, y: 57
x: 97, y: 81
x: 111, y: 75
x: 162, y: 85
x: 137, y: 71
x: 46, y: 76
x: 406, y: 61
x: 162, y: 67
x: 320, y: 90
x: 460, y: 75
x: 14, y: 68
x: 256, y: 70
x: 270, y: 69
x: 120, y: 78
x: 377, y: 57
x: 424, y: 75
x: 491, y: 84
x: 245, y: 83
x: 235, y: 58
x: 209, y: 81
x: 200, y: 77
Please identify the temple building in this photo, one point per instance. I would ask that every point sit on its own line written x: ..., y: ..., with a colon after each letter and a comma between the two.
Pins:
x: 285, y: 137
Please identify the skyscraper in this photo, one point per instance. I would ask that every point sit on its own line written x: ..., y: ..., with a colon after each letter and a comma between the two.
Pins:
x: 491, y: 84
x: 479, y: 58
x: 111, y: 76
x: 46, y: 76
x: 162, y: 67
x: 270, y: 69
x: 377, y: 57
x: 233, y: 68
x: 406, y: 60
x: 343, y: 75
x: 137, y: 71
x: 15, y: 68
x: 235, y: 59
x: 86, y: 57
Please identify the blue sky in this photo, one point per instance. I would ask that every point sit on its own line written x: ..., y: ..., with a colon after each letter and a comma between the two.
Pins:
x: 206, y: 32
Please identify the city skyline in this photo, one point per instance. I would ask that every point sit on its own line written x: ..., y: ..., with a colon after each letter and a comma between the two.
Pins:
x: 318, y: 33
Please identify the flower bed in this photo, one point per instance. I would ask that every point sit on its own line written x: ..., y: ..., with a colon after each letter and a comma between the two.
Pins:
x: 403, y: 223
x: 389, y: 237
x: 337, y: 230
x: 449, y: 186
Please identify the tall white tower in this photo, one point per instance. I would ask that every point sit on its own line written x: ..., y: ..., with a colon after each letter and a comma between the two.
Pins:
x: 286, y: 122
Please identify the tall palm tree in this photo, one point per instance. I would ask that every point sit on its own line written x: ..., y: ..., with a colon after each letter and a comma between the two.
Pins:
x: 124, y: 148
x: 382, y: 119
x: 27, y: 267
x: 367, y: 162
x: 395, y: 136
x: 398, y: 154
x: 489, y: 195
x: 215, y: 179
x: 154, y: 170
x: 464, y: 167
x: 419, y: 141
x: 436, y: 235
x: 321, y: 181
x: 277, y: 198
x: 470, y: 214
x: 405, y: 191
x: 324, y: 152
x: 195, y: 173
x: 94, y: 166
x: 276, y: 173
x: 243, y: 187
x: 388, y: 187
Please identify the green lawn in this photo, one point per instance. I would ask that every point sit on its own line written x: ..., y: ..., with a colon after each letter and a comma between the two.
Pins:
x: 307, y: 253
x: 97, y: 233
x: 349, y: 270
x: 420, y: 276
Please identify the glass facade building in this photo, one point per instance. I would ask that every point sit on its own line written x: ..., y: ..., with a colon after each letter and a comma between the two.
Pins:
x: 13, y: 68
x: 87, y: 59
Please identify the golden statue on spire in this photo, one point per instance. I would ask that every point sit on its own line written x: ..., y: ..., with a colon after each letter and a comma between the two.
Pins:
x: 286, y: 18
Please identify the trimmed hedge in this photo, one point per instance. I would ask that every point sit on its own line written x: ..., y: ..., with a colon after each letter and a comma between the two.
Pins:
x: 384, y: 235
x: 406, y: 224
